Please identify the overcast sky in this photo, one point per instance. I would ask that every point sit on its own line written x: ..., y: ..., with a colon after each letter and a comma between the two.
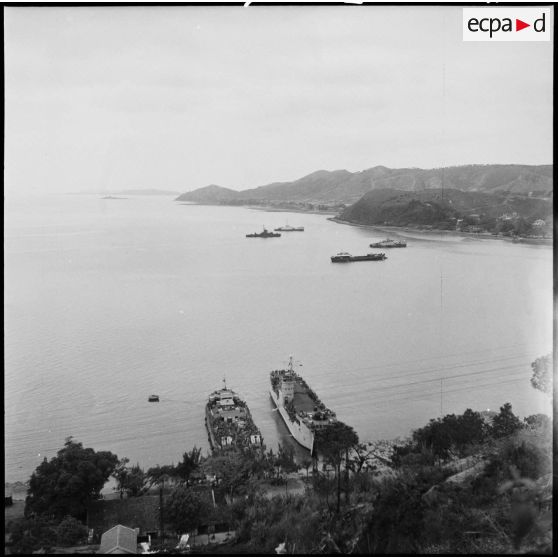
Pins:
x: 181, y: 97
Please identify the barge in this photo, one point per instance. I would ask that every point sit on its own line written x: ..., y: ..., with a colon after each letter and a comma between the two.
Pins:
x: 389, y: 243
x: 229, y: 422
x: 345, y: 257
x: 288, y: 228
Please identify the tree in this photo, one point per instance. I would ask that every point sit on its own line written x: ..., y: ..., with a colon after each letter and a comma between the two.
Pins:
x: 232, y: 468
x: 542, y: 374
x: 131, y: 480
x: 334, y: 442
x: 538, y: 422
x: 185, y: 510
x: 67, y: 483
x: 159, y: 474
x: 189, y: 464
x: 285, y: 459
x: 306, y: 463
x: 505, y: 422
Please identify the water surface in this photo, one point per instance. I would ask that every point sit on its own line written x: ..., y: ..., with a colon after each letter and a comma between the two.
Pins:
x: 108, y: 301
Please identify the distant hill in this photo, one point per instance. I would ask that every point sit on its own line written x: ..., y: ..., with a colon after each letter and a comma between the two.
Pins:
x: 210, y: 194
x: 130, y: 192
x: 147, y: 192
x: 342, y: 186
x: 441, y: 208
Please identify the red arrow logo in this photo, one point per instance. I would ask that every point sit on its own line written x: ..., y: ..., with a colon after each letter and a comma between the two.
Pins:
x: 519, y: 25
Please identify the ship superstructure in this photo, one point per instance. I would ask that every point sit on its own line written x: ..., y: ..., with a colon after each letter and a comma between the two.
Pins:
x: 299, y: 407
x: 229, y: 422
x: 264, y: 234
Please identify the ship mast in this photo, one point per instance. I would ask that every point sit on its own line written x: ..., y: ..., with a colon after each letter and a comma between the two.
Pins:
x: 291, y: 364
x: 224, y: 382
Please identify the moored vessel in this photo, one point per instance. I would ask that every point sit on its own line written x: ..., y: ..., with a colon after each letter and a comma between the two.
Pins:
x: 229, y: 422
x: 345, y: 257
x: 300, y: 408
x: 264, y: 234
x: 533, y: 240
x: 389, y: 243
x: 288, y: 228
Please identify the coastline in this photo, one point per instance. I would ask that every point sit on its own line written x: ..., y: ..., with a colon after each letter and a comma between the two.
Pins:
x: 457, y: 234
x: 389, y: 228
x: 282, y: 210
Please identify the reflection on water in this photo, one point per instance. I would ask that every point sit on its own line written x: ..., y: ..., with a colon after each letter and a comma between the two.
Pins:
x: 109, y: 301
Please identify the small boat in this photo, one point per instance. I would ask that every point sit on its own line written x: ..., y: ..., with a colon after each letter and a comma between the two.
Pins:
x: 345, y: 257
x: 288, y: 228
x: 264, y: 234
x: 389, y: 243
x: 153, y: 399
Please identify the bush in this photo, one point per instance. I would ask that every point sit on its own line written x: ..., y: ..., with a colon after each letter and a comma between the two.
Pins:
x: 70, y: 532
x: 505, y: 423
x: 31, y: 534
x: 443, y: 437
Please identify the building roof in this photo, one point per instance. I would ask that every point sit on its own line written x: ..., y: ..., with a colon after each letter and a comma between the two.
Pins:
x: 119, y: 540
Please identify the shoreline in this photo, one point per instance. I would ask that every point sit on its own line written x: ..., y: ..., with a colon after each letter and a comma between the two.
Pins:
x: 282, y: 210
x: 483, y: 236
x: 391, y: 228
x: 269, y: 209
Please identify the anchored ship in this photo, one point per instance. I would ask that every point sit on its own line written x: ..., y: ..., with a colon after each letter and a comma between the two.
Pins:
x: 288, y: 228
x: 229, y: 422
x: 389, y: 243
x: 299, y: 407
x: 345, y: 257
x: 264, y: 234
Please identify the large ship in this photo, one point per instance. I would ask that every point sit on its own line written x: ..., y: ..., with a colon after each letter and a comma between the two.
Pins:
x: 345, y: 257
x: 264, y: 234
x: 229, y: 422
x: 299, y: 407
x: 389, y: 243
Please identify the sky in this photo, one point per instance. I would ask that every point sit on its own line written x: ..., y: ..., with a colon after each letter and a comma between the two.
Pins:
x: 110, y: 98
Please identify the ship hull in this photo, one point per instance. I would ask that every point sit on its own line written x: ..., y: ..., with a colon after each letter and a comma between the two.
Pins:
x: 367, y: 258
x: 299, y: 431
x: 210, y: 435
x: 247, y: 435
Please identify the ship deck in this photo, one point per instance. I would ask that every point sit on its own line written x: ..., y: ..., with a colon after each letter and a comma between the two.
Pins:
x: 302, y: 401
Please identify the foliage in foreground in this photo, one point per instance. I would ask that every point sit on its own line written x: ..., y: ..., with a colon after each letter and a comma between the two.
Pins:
x: 30, y: 534
x: 67, y: 483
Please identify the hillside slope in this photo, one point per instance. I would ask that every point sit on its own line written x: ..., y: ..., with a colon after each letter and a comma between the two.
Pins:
x: 439, y: 207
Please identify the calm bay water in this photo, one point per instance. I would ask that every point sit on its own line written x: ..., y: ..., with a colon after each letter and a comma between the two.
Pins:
x: 108, y: 301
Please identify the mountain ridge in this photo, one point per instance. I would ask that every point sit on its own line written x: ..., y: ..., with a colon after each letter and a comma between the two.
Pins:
x: 345, y: 187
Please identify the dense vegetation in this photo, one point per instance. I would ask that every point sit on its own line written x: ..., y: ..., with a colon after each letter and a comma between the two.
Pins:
x: 442, y: 209
x: 462, y: 484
